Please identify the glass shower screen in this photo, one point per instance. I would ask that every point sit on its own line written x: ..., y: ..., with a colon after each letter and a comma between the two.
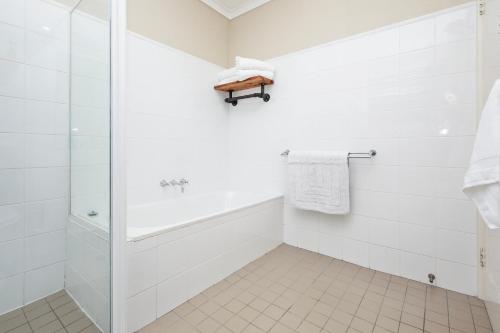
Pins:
x: 88, y: 240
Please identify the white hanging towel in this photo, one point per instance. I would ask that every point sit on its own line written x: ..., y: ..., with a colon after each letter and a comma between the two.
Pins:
x: 482, y: 180
x: 319, y: 181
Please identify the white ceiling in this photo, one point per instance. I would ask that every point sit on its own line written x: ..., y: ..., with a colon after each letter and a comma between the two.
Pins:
x: 234, y: 8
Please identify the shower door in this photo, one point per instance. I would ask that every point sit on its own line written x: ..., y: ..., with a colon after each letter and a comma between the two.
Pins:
x: 88, y: 234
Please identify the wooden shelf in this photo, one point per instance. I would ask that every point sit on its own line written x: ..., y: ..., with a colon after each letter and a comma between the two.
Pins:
x: 249, y: 83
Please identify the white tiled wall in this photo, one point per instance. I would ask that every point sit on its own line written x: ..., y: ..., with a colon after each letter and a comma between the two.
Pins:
x: 33, y: 149
x: 407, y: 91
x: 166, y: 270
x: 176, y: 123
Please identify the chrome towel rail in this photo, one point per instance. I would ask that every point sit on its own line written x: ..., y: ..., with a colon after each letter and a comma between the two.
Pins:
x: 369, y: 154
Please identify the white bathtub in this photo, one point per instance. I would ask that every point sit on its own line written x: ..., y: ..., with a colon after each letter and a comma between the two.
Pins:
x: 152, y: 219
x: 178, y: 248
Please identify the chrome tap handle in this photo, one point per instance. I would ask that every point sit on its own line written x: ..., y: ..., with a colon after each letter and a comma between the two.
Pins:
x: 164, y: 183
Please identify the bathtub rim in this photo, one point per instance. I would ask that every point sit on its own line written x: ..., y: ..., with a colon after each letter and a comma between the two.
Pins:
x: 201, y: 219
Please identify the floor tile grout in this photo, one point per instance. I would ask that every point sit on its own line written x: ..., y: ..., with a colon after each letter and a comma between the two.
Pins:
x: 316, y: 284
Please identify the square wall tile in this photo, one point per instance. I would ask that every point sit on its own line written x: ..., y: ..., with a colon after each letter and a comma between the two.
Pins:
x: 46, y: 51
x: 447, y: 273
x: 46, y: 216
x: 169, y: 261
x: 12, y: 13
x: 458, y: 215
x: 457, y: 246
x: 418, y: 239
x: 456, y: 56
x: 11, y: 115
x: 421, y: 210
x: 416, y: 266
x: 385, y: 259
x: 171, y: 293
x: 46, y: 85
x: 46, y: 183
x: 331, y: 245
x: 44, y: 249
x: 308, y: 239
x: 11, y: 150
x: 142, y: 270
x: 11, y: 42
x: 42, y: 282
x: 12, y: 293
x: 47, y: 150
x: 49, y: 20
x: 11, y: 222
x: 418, y: 35
x: 46, y: 117
x: 384, y: 233
x: 456, y: 25
x: 356, y: 252
x: 11, y: 261
x: 141, y: 310
x: 12, y: 183
x: 11, y: 79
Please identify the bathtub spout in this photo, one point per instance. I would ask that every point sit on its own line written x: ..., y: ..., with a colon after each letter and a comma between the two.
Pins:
x: 182, y: 183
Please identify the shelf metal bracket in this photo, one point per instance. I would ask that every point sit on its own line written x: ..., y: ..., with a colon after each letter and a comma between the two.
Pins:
x: 234, y: 99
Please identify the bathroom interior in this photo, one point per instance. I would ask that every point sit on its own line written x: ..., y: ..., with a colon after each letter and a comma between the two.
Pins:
x: 311, y: 166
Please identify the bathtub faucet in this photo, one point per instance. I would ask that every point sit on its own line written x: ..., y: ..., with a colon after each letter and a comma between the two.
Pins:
x: 174, y: 182
x: 182, y: 183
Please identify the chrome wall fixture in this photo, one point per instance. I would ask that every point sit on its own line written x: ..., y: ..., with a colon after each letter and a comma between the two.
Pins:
x: 174, y: 182
x: 371, y: 153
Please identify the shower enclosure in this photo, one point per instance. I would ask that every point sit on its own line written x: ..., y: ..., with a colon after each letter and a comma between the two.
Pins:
x: 54, y: 165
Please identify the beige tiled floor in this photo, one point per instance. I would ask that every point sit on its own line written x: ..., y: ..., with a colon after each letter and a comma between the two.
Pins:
x: 55, y: 313
x: 293, y: 290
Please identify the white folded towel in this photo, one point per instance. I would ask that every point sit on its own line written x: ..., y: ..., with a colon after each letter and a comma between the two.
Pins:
x: 245, y: 68
x: 319, y: 181
x: 234, y: 74
x: 227, y: 73
x: 482, y: 180
x: 249, y: 63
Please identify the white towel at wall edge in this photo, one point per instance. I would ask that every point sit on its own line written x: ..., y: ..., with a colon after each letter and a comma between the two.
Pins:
x: 318, y: 181
x: 482, y: 180
x: 227, y: 73
x: 254, y: 64
x: 232, y: 75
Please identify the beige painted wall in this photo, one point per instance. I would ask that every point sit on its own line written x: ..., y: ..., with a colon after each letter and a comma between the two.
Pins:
x: 188, y: 25
x: 273, y: 29
x: 284, y: 26
x: 276, y: 28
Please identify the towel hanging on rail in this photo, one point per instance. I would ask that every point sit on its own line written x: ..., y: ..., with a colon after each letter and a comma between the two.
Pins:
x: 319, y: 181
